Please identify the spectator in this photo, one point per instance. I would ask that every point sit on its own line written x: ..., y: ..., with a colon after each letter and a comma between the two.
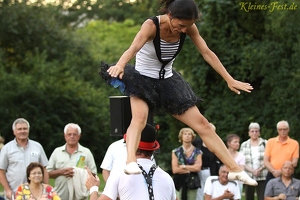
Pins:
x: 186, y: 159
x: 233, y: 144
x: 284, y: 187
x: 35, y: 189
x: 253, y: 150
x: 280, y: 149
x: 16, y: 155
x: 135, y: 187
x: 220, y: 187
x: 210, y: 164
x: 66, y: 165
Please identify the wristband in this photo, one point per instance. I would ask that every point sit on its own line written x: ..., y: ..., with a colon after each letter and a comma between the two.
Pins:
x: 94, y: 189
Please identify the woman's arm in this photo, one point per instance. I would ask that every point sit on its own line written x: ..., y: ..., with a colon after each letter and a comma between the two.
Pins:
x: 211, y: 58
x: 146, y: 33
x: 197, y: 166
x: 176, y: 168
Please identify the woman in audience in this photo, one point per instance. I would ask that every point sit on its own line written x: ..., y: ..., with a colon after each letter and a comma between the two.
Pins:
x: 35, y: 189
x: 186, y: 159
x: 233, y: 144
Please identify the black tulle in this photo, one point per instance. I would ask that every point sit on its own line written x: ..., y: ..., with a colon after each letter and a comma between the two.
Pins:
x: 173, y: 95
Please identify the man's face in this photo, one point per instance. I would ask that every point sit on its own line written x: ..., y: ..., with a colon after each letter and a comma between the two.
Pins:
x: 283, y: 130
x: 287, y: 170
x: 223, y: 175
x: 21, y: 131
x: 71, y: 136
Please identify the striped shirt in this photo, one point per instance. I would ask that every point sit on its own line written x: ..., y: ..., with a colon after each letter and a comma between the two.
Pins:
x: 168, y: 50
x: 247, y: 151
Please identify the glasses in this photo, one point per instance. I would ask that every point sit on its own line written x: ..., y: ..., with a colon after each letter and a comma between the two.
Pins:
x: 36, y: 174
x: 282, y: 129
x: 254, y: 131
x: 72, y: 135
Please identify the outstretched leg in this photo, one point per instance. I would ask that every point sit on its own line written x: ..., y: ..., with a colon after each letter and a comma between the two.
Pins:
x: 139, y: 111
x: 194, y: 119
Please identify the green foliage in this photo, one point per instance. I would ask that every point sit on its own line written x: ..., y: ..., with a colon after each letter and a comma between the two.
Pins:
x: 108, y: 40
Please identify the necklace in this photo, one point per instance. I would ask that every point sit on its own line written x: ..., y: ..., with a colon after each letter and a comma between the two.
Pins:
x: 187, y: 150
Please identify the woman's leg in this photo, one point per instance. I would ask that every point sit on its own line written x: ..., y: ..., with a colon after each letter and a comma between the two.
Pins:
x: 194, y: 119
x: 139, y: 112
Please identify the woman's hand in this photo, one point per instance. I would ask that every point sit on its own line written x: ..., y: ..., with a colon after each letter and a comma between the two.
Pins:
x: 116, y: 71
x: 236, y: 86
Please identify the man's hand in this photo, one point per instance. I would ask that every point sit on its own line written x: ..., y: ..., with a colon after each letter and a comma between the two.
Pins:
x: 276, y: 173
x: 9, y: 194
x: 92, y: 180
x: 68, y: 172
x: 281, y: 196
x: 228, y: 195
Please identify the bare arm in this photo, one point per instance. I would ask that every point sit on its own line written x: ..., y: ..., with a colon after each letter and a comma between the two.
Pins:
x: 295, y: 162
x: 146, y: 33
x: 46, y: 176
x: 197, y: 166
x: 176, y: 168
x: 105, y: 174
x: 67, y: 172
x: 5, y: 184
x: 281, y: 196
x: 268, y: 165
x: 94, y: 181
x: 211, y: 58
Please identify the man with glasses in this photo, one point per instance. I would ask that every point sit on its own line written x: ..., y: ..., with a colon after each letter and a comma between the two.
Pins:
x: 280, y: 149
x: 66, y: 165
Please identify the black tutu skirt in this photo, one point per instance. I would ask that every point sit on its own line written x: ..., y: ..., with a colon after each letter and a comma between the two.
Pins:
x: 173, y: 95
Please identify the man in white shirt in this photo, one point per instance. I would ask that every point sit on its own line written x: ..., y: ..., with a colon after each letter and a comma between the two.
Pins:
x: 137, y: 187
x: 219, y: 187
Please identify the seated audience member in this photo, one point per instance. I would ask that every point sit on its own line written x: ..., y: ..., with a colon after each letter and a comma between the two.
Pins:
x: 284, y: 187
x: 219, y: 187
x: 35, y: 189
x: 153, y: 183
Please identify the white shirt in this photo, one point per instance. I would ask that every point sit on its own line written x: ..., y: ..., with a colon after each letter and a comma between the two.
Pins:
x: 214, y: 188
x: 134, y: 187
x: 115, y: 156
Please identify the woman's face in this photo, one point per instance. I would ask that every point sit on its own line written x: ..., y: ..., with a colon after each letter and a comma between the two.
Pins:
x: 234, y: 144
x: 254, y: 133
x: 180, y: 25
x: 36, y: 175
x: 187, y: 136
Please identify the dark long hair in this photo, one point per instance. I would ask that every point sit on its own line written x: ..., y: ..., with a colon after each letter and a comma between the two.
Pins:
x: 180, y: 9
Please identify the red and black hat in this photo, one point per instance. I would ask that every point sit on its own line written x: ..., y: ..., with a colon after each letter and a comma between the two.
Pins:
x: 148, y: 139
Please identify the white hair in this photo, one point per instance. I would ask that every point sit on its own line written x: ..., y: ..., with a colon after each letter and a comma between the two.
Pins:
x: 254, y: 125
x: 73, y: 126
x: 20, y: 121
x: 283, y: 122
